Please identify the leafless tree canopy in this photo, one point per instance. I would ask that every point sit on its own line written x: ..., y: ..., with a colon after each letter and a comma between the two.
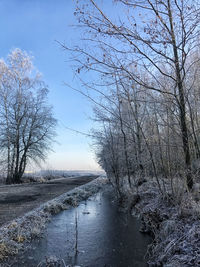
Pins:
x: 26, y: 121
x: 147, y: 56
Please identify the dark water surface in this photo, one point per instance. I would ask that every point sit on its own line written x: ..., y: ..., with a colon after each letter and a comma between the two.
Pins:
x: 93, y: 234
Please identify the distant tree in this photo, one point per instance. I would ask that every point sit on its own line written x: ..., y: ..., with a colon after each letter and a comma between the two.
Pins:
x: 27, y: 125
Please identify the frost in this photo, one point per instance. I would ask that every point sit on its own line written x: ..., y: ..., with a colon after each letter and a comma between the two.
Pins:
x: 174, y: 224
x: 15, y: 235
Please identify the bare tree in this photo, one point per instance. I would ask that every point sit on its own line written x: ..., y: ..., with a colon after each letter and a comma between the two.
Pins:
x: 151, y: 44
x: 27, y: 125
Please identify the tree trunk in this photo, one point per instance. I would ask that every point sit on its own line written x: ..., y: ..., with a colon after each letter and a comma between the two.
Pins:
x: 181, y: 104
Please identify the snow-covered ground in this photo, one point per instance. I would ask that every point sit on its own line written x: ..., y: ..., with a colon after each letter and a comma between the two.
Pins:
x: 64, y: 173
x: 174, y: 221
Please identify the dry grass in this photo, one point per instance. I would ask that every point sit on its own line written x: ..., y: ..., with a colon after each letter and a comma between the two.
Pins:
x: 174, y: 222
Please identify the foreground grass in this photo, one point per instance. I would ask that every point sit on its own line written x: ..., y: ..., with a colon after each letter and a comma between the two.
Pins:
x: 173, y: 219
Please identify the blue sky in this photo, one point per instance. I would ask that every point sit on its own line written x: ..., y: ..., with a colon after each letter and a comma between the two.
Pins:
x: 34, y: 25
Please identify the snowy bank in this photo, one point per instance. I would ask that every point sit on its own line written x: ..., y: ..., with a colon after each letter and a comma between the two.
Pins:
x: 173, y: 221
x: 17, y: 234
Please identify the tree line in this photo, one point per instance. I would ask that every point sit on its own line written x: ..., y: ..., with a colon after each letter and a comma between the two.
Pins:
x: 146, y: 58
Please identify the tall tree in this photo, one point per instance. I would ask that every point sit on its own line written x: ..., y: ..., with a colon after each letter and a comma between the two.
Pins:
x: 27, y: 125
x: 154, y: 37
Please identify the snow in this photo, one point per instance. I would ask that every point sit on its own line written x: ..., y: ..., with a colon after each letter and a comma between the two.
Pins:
x: 173, y: 220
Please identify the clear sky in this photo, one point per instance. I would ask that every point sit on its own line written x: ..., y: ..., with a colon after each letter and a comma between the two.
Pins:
x: 34, y: 25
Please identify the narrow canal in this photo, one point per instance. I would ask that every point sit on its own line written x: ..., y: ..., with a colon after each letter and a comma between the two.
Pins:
x: 94, y: 234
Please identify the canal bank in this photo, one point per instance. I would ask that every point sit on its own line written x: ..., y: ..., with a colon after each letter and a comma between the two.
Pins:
x: 18, y: 234
x: 173, y: 218
x: 96, y: 233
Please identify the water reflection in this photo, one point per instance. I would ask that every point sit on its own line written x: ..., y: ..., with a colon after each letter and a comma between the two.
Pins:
x: 94, y: 234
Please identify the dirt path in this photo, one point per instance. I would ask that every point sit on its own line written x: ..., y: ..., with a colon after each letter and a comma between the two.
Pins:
x: 16, y: 200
